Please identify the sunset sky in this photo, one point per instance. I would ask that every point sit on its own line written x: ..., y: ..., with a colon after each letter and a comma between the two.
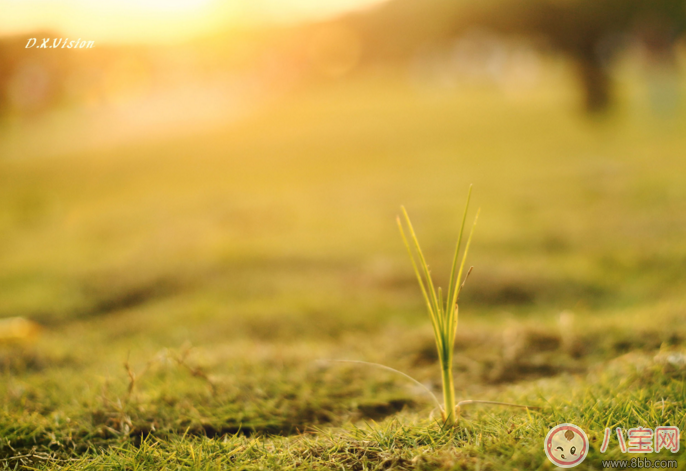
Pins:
x: 158, y: 20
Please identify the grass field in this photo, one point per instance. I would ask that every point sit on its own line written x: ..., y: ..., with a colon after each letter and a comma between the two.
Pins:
x: 189, y: 287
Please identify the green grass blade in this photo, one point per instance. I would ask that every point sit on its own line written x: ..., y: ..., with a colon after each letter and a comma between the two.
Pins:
x: 414, y: 266
x: 432, y: 313
x: 427, y: 274
x: 441, y: 311
x: 464, y: 256
x: 453, y: 271
x: 452, y: 327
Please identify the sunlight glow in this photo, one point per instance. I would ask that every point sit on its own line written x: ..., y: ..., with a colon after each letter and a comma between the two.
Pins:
x: 164, y: 5
x: 159, y: 20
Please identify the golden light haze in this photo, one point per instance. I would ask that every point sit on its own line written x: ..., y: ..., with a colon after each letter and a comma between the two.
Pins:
x: 159, y: 20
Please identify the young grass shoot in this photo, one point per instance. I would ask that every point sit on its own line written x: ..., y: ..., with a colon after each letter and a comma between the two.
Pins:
x: 443, y: 312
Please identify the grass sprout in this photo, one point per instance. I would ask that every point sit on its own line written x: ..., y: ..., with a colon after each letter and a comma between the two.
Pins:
x: 444, y: 316
x: 443, y: 312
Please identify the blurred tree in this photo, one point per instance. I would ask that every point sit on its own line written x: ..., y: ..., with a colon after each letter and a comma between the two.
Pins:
x: 589, y: 32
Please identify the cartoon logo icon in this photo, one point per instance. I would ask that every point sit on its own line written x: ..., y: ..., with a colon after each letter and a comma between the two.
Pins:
x: 566, y: 445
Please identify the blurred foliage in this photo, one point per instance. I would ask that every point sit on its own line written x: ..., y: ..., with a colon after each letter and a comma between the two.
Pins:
x: 589, y: 32
x: 398, y: 34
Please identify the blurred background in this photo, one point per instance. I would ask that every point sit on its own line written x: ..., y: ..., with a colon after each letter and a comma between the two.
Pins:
x: 214, y: 172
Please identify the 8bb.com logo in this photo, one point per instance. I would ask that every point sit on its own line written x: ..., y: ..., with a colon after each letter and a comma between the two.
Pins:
x: 566, y: 446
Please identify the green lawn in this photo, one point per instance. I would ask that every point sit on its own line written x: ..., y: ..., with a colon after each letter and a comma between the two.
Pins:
x: 188, y: 287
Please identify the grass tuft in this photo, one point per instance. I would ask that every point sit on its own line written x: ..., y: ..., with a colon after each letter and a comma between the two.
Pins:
x: 443, y: 313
